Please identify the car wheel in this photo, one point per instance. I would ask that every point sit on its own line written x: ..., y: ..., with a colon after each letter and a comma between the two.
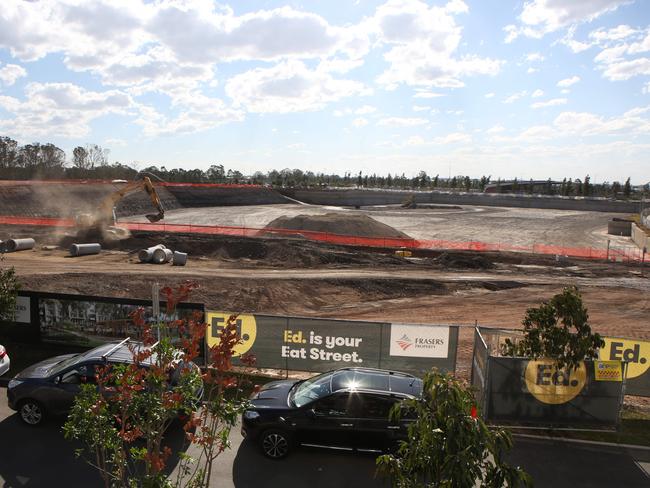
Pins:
x: 276, y: 444
x: 31, y: 412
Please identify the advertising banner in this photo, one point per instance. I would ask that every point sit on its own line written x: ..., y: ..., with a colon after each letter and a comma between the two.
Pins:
x: 22, y: 314
x: 311, y: 344
x: 637, y: 356
x: 537, y: 392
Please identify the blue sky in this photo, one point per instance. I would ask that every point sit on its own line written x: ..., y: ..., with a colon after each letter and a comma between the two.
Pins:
x: 533, y: 89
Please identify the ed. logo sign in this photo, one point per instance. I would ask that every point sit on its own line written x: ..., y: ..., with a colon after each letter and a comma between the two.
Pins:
x: 554, y: 386
x: 246, y: 328
x: 636, y: 353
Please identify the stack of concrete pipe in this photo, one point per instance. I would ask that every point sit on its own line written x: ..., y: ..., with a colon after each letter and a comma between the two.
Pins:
x: 13, y: 245
x: 85, y: 249
x: 159, y: 254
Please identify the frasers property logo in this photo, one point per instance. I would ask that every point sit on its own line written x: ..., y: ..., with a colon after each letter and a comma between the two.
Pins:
x: 554, y: 386
x: 426, y: 341
x: 246, y: 328
x: 404, y: 342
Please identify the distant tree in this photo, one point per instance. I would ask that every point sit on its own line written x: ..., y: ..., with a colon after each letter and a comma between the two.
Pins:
x: 627, y: 189
x: 485, y: 180
x: 467, y: 183
x: 531, y: 187
x: 96, y: 155
x: 569, y: 188
x: 359, y: 180
x: 578, y: 186
x: 549, y: 187
x: 586, y: 186
x: 8, y: 153
x: 515, y: 186
x: 80, y: 158
x: 435, y: 181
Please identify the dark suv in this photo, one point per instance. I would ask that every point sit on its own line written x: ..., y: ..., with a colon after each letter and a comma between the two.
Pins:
x: 343, y: 409
x: 50, y: 387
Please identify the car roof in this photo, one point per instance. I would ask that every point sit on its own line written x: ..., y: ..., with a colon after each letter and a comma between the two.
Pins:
x: 376, y: 380
x: 118, y: 352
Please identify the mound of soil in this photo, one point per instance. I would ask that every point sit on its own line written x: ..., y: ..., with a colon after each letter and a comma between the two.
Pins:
x: 337, y: 223
x: 463, y: 261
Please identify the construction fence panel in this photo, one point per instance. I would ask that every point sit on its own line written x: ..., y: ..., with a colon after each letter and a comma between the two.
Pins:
x: 479, y: 377
x: 319, y: 345
x: 535, y: 392
x: 636, y: 354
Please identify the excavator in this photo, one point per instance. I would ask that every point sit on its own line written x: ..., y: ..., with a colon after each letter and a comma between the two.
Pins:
x: 101, y: 223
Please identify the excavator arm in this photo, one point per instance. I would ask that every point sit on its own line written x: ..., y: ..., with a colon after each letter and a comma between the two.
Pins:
x: 104, y: 215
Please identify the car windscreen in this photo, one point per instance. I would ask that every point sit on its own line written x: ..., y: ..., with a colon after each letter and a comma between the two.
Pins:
x: 61, y: 365
x: 311, y: 389
x: 354, y: 380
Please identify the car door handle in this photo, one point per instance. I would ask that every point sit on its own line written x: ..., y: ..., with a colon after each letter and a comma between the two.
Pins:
x: 393, y: 427
x: 346, y: 425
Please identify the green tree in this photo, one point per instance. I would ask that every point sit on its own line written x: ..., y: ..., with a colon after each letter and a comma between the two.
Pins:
x: 559, y: 330
x: 586, y: 186
x: 448, y: 445
x: 9, y: 287
x: 627, y: 189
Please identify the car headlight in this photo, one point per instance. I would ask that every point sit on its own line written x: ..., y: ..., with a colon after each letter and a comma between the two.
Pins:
x: 251, y: 414
x: 13, y: 383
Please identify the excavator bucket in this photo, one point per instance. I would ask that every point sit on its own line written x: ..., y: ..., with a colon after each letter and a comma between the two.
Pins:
x: 155, y: 217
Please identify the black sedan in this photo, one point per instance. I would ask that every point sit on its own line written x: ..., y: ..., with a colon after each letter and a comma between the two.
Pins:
x: 345, y: 409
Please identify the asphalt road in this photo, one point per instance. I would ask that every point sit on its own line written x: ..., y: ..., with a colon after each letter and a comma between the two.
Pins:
x: 41, y: 457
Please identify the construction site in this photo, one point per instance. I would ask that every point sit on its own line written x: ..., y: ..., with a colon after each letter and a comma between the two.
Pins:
x: 253, y: 249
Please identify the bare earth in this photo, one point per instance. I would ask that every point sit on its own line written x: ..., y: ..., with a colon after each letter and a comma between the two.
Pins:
x: 298, y: 277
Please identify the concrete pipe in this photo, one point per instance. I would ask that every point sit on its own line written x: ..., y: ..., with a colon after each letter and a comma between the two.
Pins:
x: 161, y: 256
x: 146, y: 255
x: 19, y: 244
x: 85, y: 249
x: 179, y: 259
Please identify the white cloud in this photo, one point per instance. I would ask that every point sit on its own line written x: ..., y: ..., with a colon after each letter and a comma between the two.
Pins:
x: 614, y: 34
x: 496, y: 129
x: 10, y: 73
x: 401, y: 121
x: 515, y: 96
x: 532, y: 57
x: 115, y: 142
x: 61, y: 109
x: 540, y: 17
x: 360, y: 122
x: 289, y: 87
x: 420, y: 108
x: 453, y: 138
x: 422, y: 43
x: 366, y: 109
x: 423, y: 94
x: 550, y: 103
x: 624, y: 70
x: 537, y: 93
x: 489, y: 95
x: 567, y: 82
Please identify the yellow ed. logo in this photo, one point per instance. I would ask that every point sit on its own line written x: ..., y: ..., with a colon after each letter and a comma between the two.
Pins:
x: 636, y: 353
x: 554, y: 386
x: 246, y: 328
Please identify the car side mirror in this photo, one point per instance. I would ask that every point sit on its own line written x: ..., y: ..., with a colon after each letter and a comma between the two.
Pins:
x: 57, y: 380
x: 311, y: 413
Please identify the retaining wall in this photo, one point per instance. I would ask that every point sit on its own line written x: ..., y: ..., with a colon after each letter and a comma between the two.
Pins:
x: 356, y: 197
x: 639, y: 237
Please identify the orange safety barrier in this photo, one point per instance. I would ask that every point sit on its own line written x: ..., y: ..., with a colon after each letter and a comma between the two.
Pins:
x: 628, y: 254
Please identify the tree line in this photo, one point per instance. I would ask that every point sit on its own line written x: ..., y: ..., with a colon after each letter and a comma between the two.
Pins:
x: 47, y: 161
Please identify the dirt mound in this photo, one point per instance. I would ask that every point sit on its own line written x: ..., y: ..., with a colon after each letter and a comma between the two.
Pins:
x: 464, y: 261
x: 337, y: 223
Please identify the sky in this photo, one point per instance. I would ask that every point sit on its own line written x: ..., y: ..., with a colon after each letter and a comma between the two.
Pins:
x: 534, y: 89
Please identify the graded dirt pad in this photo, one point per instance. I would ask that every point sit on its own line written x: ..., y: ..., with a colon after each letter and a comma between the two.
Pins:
x: 337, y: 223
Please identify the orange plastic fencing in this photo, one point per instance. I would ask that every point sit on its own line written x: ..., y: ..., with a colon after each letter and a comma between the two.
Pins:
x: 624, y: 254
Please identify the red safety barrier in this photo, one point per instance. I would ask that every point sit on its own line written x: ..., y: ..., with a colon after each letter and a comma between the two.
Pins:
x: 628, y: 254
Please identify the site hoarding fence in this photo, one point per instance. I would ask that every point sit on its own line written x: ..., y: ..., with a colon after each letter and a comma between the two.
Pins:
x: 319, y: 345
x: 526, y: 392
x: 621, y: 254
x: 83, y: 320
x: 636, y: 354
